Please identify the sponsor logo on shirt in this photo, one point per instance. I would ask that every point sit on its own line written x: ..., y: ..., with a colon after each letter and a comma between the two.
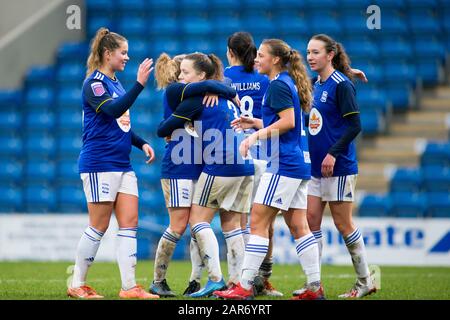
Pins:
x: 315, y: 122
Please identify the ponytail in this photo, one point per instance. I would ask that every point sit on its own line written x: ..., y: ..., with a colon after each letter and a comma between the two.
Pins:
x: 243, y: 47
x: 210, y: 64
x: 292, y: 60
x: 102, y: 41
x: 167, y: 70
x: 341, y: 60
x: 297, y: 71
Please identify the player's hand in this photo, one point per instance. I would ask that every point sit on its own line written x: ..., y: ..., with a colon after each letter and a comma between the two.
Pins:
x: 168, y: 139
x: 149, y: 152
x: 328, y: 166
x: 243, y: 123
x: 359, y: 74
x: 145, y: 68
x: 211, y: 100
x: 237, y: 101
x: 243, y: 147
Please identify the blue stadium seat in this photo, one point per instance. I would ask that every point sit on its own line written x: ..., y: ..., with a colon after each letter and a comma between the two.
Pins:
x: 12, y: 146
x: 406, y: 180
x: 429, y: 71
x: 145, y: 121
x: 196, y: 26
x: 71, y: 199
x: 293, y: 5
x: 95, y: 23
x: 38, y: 171
x: 132, y: 26
x: 395, y: 47
x: 10, y: 171
x: 104, y: 6
x: 423, y: 4
x: 151, y: 201
x: 436, y: 154
x: 362, y: 48
x: 353, y: 22
x: 10, y: 99
x: 11, y: 199
x: 166, y: 24
x: 169, y: 46
x: 67, y: 172
x: 40, y: 145
x: 353, y: 4
x: 258, y: 5
x: 69, y: 99
x: 427, y: 47
x: 428, y: 23
x: 69, y: 146
x: 160, y: 6
x: 201, y: 44
x: 40, y: 121
x: 326, y: 22
x: 387, y: 4
x: 42, y: 75
x: 436, y: 178
x: 408, y: 205
x: 71, y: 74
x: 371, y: 122
x: 39, y: 199
x: 399, y: 71
x: 73, y: 52
x: 11, y: 120
x: 226, y: 24
x: 399, y: 94
x: 145, y: 173
x: 39, y: 98
x: 370, y: 97
x: 291, y: 24
x: 131, y: 7
x: 374, y: 205
x: 394, y: 24
x: 69, y: 121
x: 193, y: 6
x: 438, y: 204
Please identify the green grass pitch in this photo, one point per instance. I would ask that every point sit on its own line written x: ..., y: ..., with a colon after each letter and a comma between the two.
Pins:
x: 47, y: 280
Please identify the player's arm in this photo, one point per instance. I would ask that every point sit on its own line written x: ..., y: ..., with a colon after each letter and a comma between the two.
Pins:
x: 346, y: 102
x: 101, y: 101
x: 143, y: 145
x: 186, y: 111
x: 281, y: 101
x: 208, y: 86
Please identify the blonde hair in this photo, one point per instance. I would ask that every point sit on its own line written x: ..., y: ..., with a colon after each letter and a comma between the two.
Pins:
x: 167, y: 69
x: 103, y: 40
x: 292, y: 60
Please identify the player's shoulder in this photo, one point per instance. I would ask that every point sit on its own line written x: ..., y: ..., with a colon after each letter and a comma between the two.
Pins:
x: 338, y: 77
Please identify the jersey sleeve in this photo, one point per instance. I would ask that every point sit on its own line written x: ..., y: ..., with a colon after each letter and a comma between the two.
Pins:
x: 346, y: 98
x: 280, y: 96
x: 188, y: 110
x: 208, y: 86
x: 95, y: 93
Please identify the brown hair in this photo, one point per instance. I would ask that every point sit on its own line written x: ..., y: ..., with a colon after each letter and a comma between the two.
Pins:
x: 292, y: 60
x: 243, y: 47
x: 167, y: 69
x: 210, y: 64
x: 340, y: 61
x: 103, y: 40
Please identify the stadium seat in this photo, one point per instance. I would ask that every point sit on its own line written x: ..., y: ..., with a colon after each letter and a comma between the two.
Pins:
x: 436, y: 179
x: 326, y: 22
x: 133, y: 26
x: 39, y: 199
x: 438, y: 204
x: 11, y: 199
x: 399, y: 94
x: 387, y: 4
x: 42, y: 75
x: 12, y: 146
x: 394, y: 24
x: 188, y: 7
x: 406, y: 180
x: 371, y: 122
x: 374, y: 205
x: 11, y: 171
x: 166, y: 24
x: 71, y: 73
x: 69, y: 146
x: 293, y: 5
x: 196, y: 26
x: 225, y: 25
x: 429, y: 70
x: 71, y: 199
x: 157, y: 7
x: 408, y: 205
x: 40, y: 145
x: 69, y: 99
x: 259, y: 5
x: 67, y: 172
x: 10, y: 100
x: 436, y: 154
x: 428, y: 23
x: 291, y: 24
x: 39, y: 172
x: 396, y: 47
x: 370, y: 97
x: 40, y: 121
x: 11, y: 120
x: 73, y: 52
x: 69, y: 121
x: 131, y: 7
x: 95, y: 23
x: 39, y: 98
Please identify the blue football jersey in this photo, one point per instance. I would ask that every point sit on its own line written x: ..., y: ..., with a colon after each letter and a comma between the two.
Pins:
x: 221, y: 143
x: 251, y: 87
x: 291, y: 157
x: 327, y: 124
x: 180, y: 169
x: 106, y: 140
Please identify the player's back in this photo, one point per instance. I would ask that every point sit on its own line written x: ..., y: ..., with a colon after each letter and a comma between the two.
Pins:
x: 221, y: 142
x: 250, y: 86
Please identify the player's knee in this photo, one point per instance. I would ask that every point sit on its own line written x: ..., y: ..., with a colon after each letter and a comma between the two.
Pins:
x: 344, y: 227
x: 178, y: 227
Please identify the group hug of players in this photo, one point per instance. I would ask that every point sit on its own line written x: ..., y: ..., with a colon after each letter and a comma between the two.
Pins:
x: 255, y: 140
